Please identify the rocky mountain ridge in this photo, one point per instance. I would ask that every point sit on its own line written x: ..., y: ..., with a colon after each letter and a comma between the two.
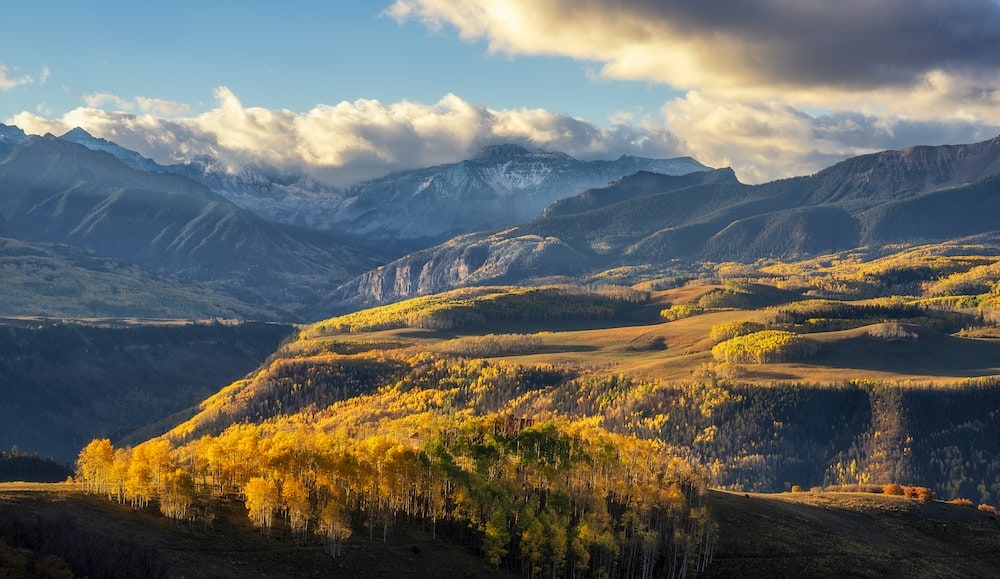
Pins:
x: 501, y: 185
x: 919, y: 194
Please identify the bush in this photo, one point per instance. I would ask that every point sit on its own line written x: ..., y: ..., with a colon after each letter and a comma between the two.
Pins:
x: 989, y: 510
x: 796, y: 489
x: 893, y: 489
x: 923, y: 494
x: 961, y: 502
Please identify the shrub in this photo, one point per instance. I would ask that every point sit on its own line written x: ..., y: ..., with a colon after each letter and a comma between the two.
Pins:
x: 923, y: 494
x: 961, y: 502
x: 796, y: 489
x: 989, y: 510
x: 893, y: 489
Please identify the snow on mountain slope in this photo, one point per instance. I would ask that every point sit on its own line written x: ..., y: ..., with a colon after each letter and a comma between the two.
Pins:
x: 500, y: 186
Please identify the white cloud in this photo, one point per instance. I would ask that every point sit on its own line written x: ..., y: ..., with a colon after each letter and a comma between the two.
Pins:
x: 160, y: 106
x: 879, y: 71
x: 772, y: 140
x: 100, y: 99
x: 10, y: 79
x: 346, y: 142
x: 352, y: 141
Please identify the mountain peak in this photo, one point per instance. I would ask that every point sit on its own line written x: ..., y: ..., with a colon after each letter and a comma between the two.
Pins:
x: 503, y: 151
x: 77, y: 133
x: 11, y: 134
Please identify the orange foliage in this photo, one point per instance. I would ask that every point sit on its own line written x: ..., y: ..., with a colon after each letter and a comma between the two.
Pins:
x: 892, y: 489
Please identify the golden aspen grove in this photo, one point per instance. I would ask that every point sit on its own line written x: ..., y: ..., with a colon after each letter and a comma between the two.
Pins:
x: 569, y: 432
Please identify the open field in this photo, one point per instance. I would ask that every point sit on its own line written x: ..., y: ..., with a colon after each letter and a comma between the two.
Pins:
x: 679, y: 350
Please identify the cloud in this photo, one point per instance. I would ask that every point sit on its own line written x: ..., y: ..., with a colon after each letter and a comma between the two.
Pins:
x: 100, y: 99
x: 160, y: 106
x: 10, y: 79
x: 772, y: 140
x: 348, y: 142
x: 854, y: 43
x: 773, y: 88
x: 843, y: 53
x: 356, y: 140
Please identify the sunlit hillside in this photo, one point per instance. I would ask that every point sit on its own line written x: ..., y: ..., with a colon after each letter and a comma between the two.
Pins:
x: 562, y: 428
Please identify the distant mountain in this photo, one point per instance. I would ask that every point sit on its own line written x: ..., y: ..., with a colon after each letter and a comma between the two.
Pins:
x: 915, y: 195
x: 281, y: 197
x: 500, y: 186
x: 56, y: 191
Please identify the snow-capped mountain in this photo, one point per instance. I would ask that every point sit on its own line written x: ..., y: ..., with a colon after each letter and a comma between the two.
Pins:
x: 499, y: 187
x: 282, y: 197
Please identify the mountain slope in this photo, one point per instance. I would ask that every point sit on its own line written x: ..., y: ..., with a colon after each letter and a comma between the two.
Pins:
x: 921, y: 194
x: 65, y: 383
x: 501, y: 186
x: 54, y: 191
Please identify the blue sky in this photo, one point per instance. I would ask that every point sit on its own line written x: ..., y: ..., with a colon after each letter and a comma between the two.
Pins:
x: 347, y: 91
x: 276, y: 57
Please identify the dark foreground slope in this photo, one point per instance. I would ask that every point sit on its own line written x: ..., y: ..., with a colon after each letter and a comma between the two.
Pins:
x: 66, y: 383
x: 850, y: 535
x: 53, y: 527
x: 791, y: 535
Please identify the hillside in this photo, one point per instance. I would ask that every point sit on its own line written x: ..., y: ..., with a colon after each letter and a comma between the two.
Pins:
x: 65, y: 383
x: 50, y: 527
x: 557, y: 427
x: 59, y: 192
x: 850, y: 535
x: 802, y: 535
x: 919, y: 195
x: 62, y: 281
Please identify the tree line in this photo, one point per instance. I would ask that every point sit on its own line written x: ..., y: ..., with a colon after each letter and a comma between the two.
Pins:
x: 554, y: 498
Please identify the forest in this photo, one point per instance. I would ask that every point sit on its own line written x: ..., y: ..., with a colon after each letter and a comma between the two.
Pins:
x: 570, y: 431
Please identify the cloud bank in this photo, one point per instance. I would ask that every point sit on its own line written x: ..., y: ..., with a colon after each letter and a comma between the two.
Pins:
x: 344, y: 143
x: 773, y: 89
x: 821, y: 50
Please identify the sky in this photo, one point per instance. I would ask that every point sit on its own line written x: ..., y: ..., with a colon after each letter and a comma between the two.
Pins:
x: 347, y: 91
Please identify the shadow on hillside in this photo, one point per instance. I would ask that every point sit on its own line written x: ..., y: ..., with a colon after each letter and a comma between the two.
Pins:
x: 931, y: 354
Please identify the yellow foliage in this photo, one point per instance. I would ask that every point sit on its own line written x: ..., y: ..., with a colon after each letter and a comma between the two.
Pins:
x: 765, y: 347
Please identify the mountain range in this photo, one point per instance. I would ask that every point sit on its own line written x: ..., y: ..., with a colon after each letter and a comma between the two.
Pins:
x: 267, y: 239
x: 919, y: 194
x: 500, y: 186
x: 281, y: 241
